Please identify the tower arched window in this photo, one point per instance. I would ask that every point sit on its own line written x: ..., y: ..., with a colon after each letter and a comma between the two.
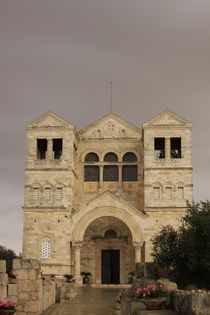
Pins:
x: 129, y: 157
x: 130, y: 172
x: 111, y: 157
x: 91, y: 157
x: 91, y: 172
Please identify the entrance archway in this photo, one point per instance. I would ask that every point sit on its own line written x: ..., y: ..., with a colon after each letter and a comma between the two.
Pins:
x: 103, y: 253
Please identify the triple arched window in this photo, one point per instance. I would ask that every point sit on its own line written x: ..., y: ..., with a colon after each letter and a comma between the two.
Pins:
x: 111, y: 167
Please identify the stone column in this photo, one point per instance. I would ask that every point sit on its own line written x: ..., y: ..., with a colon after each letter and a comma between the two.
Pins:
x: 120, y: 177
x: 49, y: 149
x: 138, y: 246
x: 167, y: 148
x: 77, y: 248
x: 101, y: 177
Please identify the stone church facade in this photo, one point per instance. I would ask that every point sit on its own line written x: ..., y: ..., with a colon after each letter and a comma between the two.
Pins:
x: 95, y: 198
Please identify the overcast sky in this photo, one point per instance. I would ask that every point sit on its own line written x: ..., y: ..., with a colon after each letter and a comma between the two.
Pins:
x: 61, y: 55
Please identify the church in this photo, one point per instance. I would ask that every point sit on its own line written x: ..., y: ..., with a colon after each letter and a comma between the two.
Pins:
x: 94, y: 198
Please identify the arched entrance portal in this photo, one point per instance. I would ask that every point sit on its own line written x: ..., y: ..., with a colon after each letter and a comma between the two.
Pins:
x: 107, y: 251
x: 90, y: 236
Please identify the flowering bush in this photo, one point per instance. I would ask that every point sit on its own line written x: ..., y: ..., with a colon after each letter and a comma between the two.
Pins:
x: 151, y: 291
x: 12, y: 275
x: 8, y: 305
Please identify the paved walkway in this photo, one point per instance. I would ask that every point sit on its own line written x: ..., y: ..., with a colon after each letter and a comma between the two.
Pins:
x: 89, y: 301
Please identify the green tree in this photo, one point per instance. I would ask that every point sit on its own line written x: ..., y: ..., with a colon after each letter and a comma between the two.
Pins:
x: 185, y: 252
x: 8, y: 255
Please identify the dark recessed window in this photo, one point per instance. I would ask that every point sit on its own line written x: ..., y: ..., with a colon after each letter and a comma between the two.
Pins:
x: 129, y: 157
x: 91, y: 173
x: 111, y: 157
x: 175, y: 148
x: 110, y: 173
x: 159, y: 148
x: 129, y: 173
x: 57, y: 149
x: 110, y: 234
x: 41, y: 149
x: 91, y: 157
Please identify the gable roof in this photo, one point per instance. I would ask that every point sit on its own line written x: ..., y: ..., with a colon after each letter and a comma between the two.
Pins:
x: 167, y: 118
x: 110, y: 126
x: 107, y: 198
x: 50, y: 119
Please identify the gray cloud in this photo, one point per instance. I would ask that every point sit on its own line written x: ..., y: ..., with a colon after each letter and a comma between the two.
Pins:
x: 61, y: 56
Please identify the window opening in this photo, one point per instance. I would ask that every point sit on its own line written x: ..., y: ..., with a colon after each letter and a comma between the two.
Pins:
x: 41, y: 149
x: 168, y: 192
x: 110, y: 234
x: 175, y: 148
x: 129, y: 157
x: 129, y: 173
x: 110, y: 173
x: 91, y: 173
x: 47, y: 193
x: 59, y: 193
x: 156, y: 193
x: 36, y: 193
x: 91, y: 157
x: 57, y: 149
x: 46, y: 248
x: 180, y: 193
x: 110, y: 157
x: 159, y: 146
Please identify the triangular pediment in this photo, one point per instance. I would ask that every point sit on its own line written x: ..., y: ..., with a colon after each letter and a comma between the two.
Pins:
x: 49, y: 119
x: 167, y: 118
x: 108, y: 199
x: 111, y: 126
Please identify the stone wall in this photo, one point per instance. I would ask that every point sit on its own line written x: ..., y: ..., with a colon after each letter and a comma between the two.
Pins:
x: 33, y: 294
x: 3, y: 280
x: 186, y: 302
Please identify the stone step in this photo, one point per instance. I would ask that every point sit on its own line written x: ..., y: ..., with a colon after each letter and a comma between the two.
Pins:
x: 159, y: 312
x: 110, y: 286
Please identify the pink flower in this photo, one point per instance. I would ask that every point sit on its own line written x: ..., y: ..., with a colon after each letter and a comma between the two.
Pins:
x: 161, y: 285
x: 153, y: 289
x: 138, y: 290
x: 149, y: 286
x: 148, y: 292
x: 144, y: 295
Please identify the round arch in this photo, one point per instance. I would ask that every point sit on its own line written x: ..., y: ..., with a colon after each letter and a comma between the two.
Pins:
x: 81, y: 225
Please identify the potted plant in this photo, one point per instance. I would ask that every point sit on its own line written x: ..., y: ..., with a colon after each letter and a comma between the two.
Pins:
x: 52, y: 276
x: 152, y: 296
x: 7, y: 307
x: 12, y: 277
x: 69, y: 278
x: 85, y: 276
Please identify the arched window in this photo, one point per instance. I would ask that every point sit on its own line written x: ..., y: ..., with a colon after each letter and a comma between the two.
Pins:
x: 91, y: 173
x: 91, y: 157
x: 111, y: 157
x: 110, y: 234
x: 129, y: 157
x: 129, y: 173
x: 110, y: 173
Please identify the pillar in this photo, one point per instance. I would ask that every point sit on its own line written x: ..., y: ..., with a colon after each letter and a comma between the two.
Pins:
x: 101, y: 177
x: 120, y: 177
x: 167, y: 148
x: 77, y: 248
x: 49, y: 149
x: 137, y: 246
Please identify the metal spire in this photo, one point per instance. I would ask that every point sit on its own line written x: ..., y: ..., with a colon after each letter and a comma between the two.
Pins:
x: 111, y: 95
